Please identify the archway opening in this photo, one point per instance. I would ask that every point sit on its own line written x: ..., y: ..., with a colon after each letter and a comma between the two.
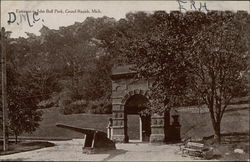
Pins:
x: 137, y: 124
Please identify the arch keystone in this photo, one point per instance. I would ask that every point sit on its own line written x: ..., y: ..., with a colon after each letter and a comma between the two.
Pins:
x: 137, y: 91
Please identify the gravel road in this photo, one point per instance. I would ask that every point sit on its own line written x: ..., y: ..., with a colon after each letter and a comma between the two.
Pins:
x: 72, y: 151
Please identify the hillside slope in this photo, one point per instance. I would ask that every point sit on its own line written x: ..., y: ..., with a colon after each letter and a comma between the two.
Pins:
x: 194, y: 125
x: 200, y: 125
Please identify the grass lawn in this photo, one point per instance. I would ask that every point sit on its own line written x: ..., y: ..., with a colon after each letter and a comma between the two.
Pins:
x: 192, y: 124
x: 200, y: 125
x: 24, y: 146
x: 52, y: 116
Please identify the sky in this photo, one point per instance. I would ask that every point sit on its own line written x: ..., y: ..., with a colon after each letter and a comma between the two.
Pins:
x: 54, y: 14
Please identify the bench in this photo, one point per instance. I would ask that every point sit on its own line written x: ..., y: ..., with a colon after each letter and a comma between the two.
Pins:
x: 197, y: 149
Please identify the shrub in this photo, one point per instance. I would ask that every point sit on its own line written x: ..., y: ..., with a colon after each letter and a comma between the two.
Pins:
x: 73, y: 108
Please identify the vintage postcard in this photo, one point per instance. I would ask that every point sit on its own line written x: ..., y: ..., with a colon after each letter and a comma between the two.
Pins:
x: 163, y: 80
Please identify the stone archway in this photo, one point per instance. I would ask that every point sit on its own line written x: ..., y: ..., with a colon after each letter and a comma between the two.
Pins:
x: 145, y: 93
x: 136, y: 124
x: 124, y: 86
x: 120, y: 128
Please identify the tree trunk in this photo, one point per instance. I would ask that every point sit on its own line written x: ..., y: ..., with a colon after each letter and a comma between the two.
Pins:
x: 217, y: 135
x: 16, y: 138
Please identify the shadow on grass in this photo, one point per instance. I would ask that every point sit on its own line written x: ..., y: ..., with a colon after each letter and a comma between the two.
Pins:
x: 38, y: 143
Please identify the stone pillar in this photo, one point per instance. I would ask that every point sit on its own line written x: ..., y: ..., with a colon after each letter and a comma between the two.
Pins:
x: 119, y: 124
x: 109, y: 127
x: 157, y: 128
x: 140, y: 128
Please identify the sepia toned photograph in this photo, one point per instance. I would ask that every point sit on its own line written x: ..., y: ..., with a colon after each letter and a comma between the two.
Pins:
x: 163, y: 80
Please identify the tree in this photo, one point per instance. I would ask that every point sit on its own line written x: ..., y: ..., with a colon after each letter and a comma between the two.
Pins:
x: 22, y: 91
x: 81, y: 61
x: 24, y: 117
x: 98, y: 85
x: 219, y: 60
x: 23, y: 113
x: 155, y: 45
x: 192, y: 56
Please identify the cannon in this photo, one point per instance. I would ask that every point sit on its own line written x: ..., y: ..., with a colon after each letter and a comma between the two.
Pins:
x: 95, y: 140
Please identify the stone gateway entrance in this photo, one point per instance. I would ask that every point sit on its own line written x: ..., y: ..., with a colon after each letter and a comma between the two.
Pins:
x: 129, y: 96
x: 134, y: 106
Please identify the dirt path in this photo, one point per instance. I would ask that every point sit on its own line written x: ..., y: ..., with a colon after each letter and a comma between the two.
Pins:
x: 72, y: 151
